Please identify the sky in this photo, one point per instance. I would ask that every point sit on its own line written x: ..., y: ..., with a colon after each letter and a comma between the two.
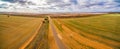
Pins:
x: 42, y: 6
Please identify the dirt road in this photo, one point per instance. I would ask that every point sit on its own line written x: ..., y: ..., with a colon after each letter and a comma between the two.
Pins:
x: 57, y: 39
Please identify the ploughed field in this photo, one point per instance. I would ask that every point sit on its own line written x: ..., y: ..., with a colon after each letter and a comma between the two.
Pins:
x: 97, y: 32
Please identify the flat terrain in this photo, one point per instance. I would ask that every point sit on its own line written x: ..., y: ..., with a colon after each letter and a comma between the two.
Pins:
x: 97, y: 32
x: 16, y: 30
x: 59, y: 43
x: 41, y: 40
x: 56, y: 32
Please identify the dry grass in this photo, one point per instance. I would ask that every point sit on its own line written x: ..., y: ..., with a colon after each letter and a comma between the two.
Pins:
x: 73, y: 40
x: 14, y: 31
x: 100, y: 32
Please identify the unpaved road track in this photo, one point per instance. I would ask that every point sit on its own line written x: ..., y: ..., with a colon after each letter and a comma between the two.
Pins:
x: 57, y: 39
x: 41, y: 39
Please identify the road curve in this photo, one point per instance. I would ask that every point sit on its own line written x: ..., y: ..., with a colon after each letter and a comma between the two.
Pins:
x: 57, y: 39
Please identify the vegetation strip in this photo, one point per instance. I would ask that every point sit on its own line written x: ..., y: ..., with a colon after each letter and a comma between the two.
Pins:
x: 41, y: 39
x: 31, y: 38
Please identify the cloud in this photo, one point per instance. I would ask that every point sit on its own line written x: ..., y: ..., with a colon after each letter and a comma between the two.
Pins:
x: 60, y: 5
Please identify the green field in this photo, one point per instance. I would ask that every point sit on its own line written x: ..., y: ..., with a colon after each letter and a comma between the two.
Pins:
x: 16, y: 30
x: 103, y: 29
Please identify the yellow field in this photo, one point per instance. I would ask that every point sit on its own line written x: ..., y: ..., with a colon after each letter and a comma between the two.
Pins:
x: 97, y: 32
x: 94, y: 32
x: 16, y: 30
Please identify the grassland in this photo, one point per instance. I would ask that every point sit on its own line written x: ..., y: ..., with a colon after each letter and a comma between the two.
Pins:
x: 15, y: 31
x: 97, y: 32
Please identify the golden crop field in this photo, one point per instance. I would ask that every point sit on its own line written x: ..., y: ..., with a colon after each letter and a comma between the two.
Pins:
x: 87, y: 32
x: 16, y: 31
x: 97, y: 32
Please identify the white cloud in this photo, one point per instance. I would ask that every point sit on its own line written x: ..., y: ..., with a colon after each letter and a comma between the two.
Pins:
x: 60, y: 5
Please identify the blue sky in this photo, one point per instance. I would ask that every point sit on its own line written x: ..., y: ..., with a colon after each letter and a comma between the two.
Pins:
x: 41, y: 6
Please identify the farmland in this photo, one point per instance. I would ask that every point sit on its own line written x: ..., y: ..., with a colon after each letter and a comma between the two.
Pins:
x: 67, y: 31
x: 16, y: 30
x: 99, y: 32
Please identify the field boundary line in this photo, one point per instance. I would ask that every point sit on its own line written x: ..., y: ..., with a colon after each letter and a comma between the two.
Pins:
x: 30, y: 39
